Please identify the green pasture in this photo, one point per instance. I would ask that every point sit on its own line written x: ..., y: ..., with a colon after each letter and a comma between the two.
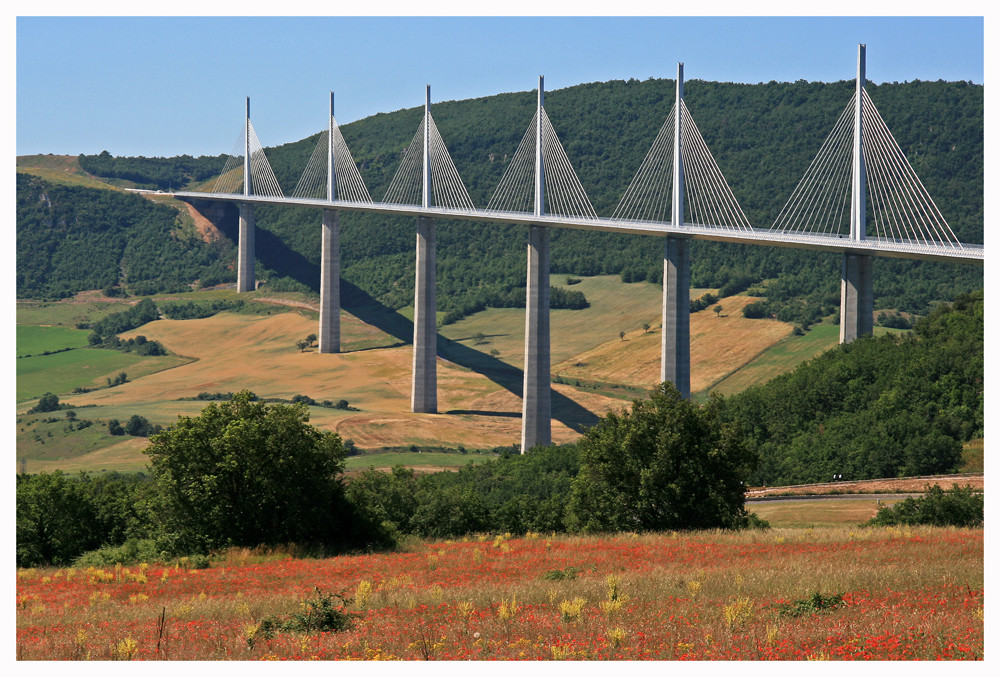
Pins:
x: 35, y: 340
x: 614, y: 307
x: 415, y: 460
x: 65, y: 313
x: 783, y: 357
x: 60, y: 373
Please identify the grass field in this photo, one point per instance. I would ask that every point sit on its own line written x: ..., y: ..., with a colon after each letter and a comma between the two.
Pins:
x: 825, y: 594
x: 973, y: 456
x: 35, y: 340
x: 83, y: 368
x: 781, y: 357
x: 422, y: 459
x: 596, y: 372
x: 67, y: 313
x: 806, y: 514
x: 64, y: 169
x: 614, y: 307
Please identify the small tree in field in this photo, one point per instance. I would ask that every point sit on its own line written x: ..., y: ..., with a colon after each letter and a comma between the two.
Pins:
x: 621, y: 335
x: 311, y: 339
x: 718, y: 311
x: 645, y: 327
x: 302, y: 345
x: 667, y: 464
x: 248, y: 473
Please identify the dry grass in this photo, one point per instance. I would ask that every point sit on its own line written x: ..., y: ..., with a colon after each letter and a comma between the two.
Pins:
x: 375, y: 381
x: 720, y: 345
x: 907, y: 594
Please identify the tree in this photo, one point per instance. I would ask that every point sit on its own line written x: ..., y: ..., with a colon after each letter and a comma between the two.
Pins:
x: 717, y: 310
x: 621, y: 335
x: 47, y: 402
x: 138, y: 426
x: 311, y: 339
x: 115, y: 427
x: 667, y: 464
x: 302, y: 345
x: 54, y: 521
x: 645, y: 327
x: 247, y: 473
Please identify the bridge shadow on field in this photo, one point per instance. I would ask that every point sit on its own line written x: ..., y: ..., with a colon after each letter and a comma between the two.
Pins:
x: 360, y: 304
x: 276, y: 255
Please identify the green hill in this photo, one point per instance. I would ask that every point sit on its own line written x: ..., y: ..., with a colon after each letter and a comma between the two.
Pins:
x: 763, y: 137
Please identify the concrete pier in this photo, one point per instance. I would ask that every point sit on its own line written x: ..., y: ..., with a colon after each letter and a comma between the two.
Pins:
x: 536, y: 423
x: 856, y: 297
x: 424, y: 394
x: 675, y: 363
x: 329, y: 284
x: 245, y: 279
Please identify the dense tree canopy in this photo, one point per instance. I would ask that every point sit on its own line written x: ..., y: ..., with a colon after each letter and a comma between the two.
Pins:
x: 666, y: 464
x: 878, y: 407
x: 245, y: 473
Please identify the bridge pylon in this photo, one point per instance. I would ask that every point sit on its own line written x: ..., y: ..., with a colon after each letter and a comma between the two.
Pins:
x: 424, y: 393
x: 245, y: 276
x: 329, y: 284
x: 857, y: 300
x: 675, y: 352
x: 536, y: 412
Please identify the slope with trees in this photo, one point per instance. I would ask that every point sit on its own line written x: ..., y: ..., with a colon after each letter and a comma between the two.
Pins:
x: 763, y: 137
x: 891, y: 406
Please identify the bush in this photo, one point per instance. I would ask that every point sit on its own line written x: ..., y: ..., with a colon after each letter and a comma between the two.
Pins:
x: 957, y: 507
x: 247, y: 473
x: 667, y: 464
x: 47, y: 402
x: 131, y: 551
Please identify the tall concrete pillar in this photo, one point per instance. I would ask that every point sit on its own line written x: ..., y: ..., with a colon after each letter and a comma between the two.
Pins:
x: 424, y: 394
x: 675, y: 361
x: 245, y: 279
x: 856, y: 297
x: 536, y: 423
x: 675, y: 351
x: 329, y: 284
x: 856, y: 293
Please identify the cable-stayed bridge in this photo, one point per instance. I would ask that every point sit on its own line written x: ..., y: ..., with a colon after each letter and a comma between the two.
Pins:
x: 859, y: 197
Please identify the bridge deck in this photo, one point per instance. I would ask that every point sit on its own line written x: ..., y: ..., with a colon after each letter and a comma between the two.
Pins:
x: 961, y: 253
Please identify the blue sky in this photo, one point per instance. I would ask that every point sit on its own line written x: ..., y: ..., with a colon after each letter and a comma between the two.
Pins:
x: 161, y: 86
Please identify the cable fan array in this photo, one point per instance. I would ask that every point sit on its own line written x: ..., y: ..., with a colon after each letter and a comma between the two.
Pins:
x: 708, y: 199
x: 262, y: 179
x: 447, y: 189
x: 564, y: 194
x: 899, y: 206
x: 348, y: 184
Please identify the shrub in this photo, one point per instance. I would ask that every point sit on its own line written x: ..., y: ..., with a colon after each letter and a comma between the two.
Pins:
x: 47, y: 402
x: 957, y: 507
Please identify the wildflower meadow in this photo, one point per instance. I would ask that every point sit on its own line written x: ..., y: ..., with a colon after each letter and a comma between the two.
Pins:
x: 828, y: 594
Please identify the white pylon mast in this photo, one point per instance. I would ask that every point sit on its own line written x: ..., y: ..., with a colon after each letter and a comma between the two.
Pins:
x: 426, y: 202
x: 539, y: 165
x: 246, y: 151
x: 331, y: 175
x: 858, y: 217
x: 677, y: 199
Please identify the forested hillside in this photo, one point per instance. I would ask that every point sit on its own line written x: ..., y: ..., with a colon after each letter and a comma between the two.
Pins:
x: 71, y: 238
x: 763, y: 137
x: 878, y: 407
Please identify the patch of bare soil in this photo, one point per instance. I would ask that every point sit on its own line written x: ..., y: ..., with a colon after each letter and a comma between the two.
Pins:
x: 209, y: 233
x: 901, y: 485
